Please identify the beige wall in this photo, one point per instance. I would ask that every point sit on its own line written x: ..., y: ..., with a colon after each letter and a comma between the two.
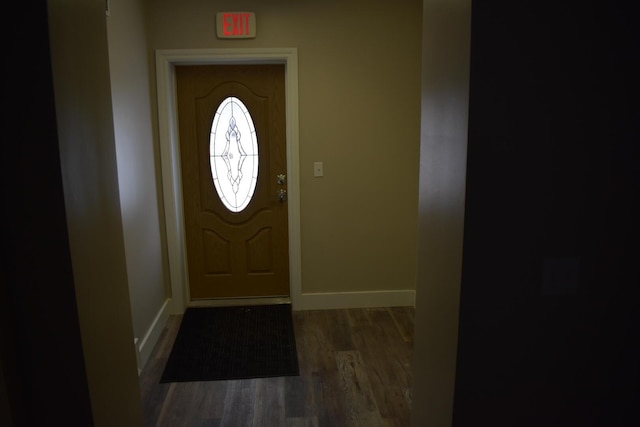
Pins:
x: 92, y: 201
x: 136, y: 158
x: 359, y: 100
x: 443, y: 152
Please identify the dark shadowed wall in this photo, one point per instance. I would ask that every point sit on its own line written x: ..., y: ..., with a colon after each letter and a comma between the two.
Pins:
x: 549, y: 302
x: 42, y: 371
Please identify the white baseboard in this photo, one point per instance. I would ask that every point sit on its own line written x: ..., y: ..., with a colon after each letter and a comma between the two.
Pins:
x: 320, y: 301
x: 150, y: 339
x: 337, y: 300
x: 135, y: 345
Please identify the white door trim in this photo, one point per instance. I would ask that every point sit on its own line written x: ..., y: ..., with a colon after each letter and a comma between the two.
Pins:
x: 166, y: 60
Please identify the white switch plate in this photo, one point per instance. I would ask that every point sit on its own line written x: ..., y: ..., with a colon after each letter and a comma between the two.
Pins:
x: 318, y: 169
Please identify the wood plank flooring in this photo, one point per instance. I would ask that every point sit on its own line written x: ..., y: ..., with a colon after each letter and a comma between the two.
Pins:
x: 355, y: 370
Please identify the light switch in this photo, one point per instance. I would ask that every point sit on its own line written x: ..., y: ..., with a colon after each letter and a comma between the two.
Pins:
x: 318, y: 169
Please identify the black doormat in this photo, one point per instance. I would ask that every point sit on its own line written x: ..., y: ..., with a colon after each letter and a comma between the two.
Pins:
x: 227, y: 343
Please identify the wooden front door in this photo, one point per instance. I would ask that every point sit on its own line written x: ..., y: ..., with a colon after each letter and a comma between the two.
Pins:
x: 232, y: 127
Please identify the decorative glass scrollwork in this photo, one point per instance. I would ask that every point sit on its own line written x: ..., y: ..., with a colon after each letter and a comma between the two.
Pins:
x: 233, y: 154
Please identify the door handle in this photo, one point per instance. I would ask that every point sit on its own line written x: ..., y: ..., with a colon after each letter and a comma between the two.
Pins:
x: 282, y: 195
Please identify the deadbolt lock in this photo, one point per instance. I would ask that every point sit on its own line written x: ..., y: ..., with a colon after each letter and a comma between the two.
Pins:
x: 282, y: 195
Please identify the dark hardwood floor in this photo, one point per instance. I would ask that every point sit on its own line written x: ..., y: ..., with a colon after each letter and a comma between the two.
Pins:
x: 355, y: 370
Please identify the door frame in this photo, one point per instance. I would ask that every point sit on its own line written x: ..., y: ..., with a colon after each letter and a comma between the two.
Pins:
x: 166, y: 61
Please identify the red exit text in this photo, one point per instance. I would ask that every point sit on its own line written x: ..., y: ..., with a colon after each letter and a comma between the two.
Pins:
x: 236, y: 25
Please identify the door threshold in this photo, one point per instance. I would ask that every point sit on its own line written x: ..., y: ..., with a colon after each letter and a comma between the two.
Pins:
x: 233, y: 302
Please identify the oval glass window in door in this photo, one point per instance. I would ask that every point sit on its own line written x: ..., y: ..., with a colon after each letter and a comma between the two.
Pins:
x: 233, y: 154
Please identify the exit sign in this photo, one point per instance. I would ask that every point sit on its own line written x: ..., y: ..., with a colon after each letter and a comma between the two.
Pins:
x: 236, y: 25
